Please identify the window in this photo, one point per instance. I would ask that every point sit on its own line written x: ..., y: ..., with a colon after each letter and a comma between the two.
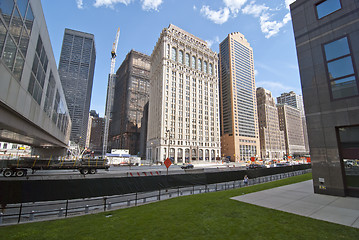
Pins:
x: 174, y: 54
x: 180, y: 56
x: 205, y: 67
x: 210, y: 69
x: 193, y: 62
x: 187, y: 59
x: 327, y: 7
x: 341, y: 74
x: 199, y: 64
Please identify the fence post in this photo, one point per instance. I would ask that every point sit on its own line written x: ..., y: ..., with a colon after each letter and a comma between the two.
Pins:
x: 31, y: 218
x: 109, y: 206
x: 144, y: 200
x: 159, y: 195
x: 1, y: 216
x: 128, y: 202
x: 178, y: 191
x: 61, y: 212
x: 136, y: 200
x: 193, y: 189
x: 104, y: 203
x: 20, y: 210
x: 67, y: 207
x: 87, y: 209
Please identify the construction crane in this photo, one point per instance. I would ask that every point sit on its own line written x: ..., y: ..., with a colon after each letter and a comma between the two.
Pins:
x: 110, y: 90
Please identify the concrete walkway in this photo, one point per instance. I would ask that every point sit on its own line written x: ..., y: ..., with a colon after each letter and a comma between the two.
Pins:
x: 299, y: 198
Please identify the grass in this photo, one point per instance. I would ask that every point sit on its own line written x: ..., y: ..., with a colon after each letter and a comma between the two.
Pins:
x: 205, y: 216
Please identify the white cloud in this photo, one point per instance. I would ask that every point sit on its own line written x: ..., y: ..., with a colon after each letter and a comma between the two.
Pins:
x: 110, y: 3
x: 219, y: 17
x: 254, y: 9
x: 151, y: 4
x: 80, y: 4
x: 288, y: 2
x: 234, y: 5
x: 194, y: 7
x: 211, y: 42
x: 256, y: 72
x: 271, y: 28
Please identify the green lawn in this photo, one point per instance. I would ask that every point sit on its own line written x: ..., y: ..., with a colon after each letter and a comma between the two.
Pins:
x: 204, y: 216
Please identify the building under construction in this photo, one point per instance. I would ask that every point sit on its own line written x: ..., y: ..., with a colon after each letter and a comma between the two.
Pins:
x: 131, y: 93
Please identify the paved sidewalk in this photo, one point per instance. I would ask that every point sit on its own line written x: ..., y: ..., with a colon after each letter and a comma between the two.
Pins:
x: 300, y: 199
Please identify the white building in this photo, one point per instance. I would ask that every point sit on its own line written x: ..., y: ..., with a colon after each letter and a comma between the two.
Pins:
x: 183, y: 104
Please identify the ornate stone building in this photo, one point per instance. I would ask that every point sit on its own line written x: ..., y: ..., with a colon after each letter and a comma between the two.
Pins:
x: 183, y: 107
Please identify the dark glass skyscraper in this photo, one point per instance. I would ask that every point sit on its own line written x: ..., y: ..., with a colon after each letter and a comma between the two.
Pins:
x: 76, y: 69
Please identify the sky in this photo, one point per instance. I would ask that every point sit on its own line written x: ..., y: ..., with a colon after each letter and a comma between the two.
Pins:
x: 265, y: 24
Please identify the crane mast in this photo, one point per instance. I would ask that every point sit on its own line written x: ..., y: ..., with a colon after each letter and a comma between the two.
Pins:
x: 110, y: 90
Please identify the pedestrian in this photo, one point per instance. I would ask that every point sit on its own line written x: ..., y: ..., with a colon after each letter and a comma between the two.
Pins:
x: 245, y: 180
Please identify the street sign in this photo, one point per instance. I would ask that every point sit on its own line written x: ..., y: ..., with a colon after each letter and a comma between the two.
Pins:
x: 253, y: 159
x: 168, y: 163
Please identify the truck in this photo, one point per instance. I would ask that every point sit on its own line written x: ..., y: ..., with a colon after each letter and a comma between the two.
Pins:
x: 19, y: 167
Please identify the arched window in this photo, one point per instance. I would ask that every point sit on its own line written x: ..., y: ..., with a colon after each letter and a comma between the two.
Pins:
x: 205, y: 67
x: 174, y: 54
x: 199, y: 64
x: 210, y: 69
x: 180, y: 56
x: 187, y: 59
x: 194, y: 62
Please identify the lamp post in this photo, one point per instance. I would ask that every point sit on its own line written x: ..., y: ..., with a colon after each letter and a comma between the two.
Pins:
x: 168, y: 134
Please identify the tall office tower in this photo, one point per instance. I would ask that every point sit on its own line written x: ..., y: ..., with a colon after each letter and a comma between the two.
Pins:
x: 183, y: 111
x: 326, y: 35
x: 272, y: 141
x: 97, y: 126
x: 93, y: 114
x: 33, y: 108
x: 296, y: 101
x: 239, y: 120
x: 131, y: 93
x: 292, y: 99
x: 76, y: 69
x: 290, y: 121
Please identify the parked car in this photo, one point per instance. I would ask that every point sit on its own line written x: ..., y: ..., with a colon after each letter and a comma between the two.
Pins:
x: 188, y: 166
x: 255, y: 166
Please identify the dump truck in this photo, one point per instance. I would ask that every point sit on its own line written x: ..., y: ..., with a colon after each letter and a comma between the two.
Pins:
x: 19, y: 167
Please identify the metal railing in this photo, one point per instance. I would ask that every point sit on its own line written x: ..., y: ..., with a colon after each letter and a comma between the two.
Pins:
x: 40, y: 211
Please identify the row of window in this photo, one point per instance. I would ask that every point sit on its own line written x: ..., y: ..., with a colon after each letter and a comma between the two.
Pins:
x: 191, y: 61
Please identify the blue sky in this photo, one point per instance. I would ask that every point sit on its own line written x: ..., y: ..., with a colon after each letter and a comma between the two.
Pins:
x: 265, y: 24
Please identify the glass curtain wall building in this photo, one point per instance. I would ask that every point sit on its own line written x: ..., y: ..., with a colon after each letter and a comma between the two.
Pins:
x: 30, y: 87
x: 76, y: 69
x: 239, y: 120
x: 326, y: 35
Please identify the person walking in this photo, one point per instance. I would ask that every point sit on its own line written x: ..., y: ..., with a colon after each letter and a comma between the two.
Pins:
x: 245, y: 180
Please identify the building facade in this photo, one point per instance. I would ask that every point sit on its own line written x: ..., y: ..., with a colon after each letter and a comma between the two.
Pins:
x: 131, y: 93
x: 290, y: 122
x: 33, y: 108
x: 326, y: 35
x: 76, y: 69
x: 239, y: 119
x: 97, y: 125
x: 296, y: 101
x: 272, y: 141
x: 183, y: 106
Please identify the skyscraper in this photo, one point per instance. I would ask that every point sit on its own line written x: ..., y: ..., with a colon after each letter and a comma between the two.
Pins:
x: 183, y: 107
x: 76, y: 69
x: 290, y: 122
x: 326, y: 35
x: 272, y: 143
x: 295, y: 100
x: 239, y: 120
x: 131, y: 93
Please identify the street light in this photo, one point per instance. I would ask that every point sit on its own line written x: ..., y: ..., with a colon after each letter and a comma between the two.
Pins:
x: 168, y: 134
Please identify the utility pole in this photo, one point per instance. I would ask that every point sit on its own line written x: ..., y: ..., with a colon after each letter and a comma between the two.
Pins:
x: 110, y: 90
